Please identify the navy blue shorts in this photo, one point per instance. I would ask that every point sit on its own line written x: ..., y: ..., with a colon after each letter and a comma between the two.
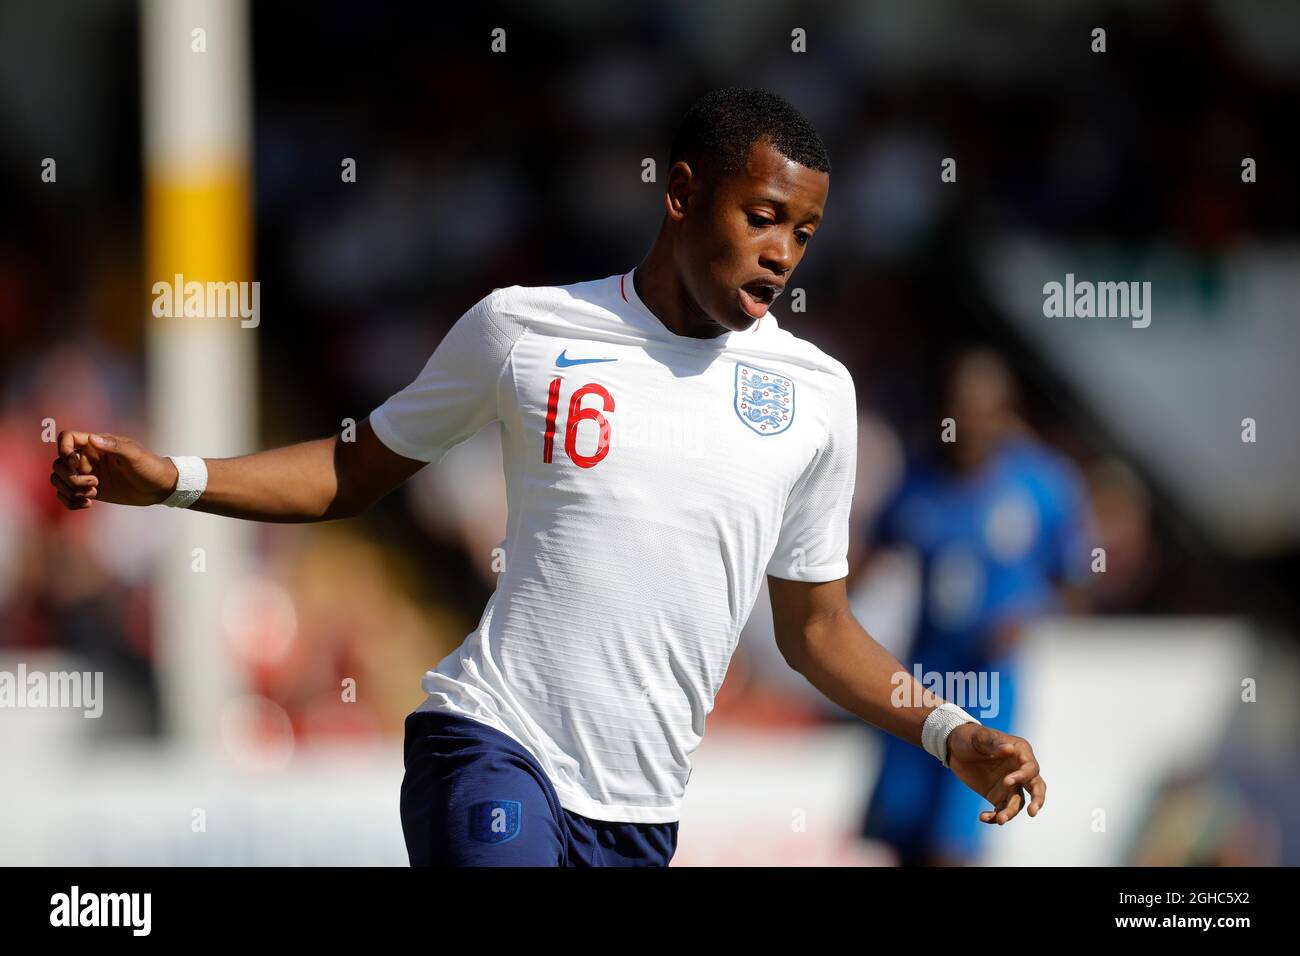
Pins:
x: 472, y: 796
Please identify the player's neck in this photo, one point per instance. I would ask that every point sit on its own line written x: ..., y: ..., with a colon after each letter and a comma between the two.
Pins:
x: 660, y: 288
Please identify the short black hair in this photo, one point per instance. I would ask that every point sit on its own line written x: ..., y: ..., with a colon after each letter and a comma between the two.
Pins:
x: 721, y: 127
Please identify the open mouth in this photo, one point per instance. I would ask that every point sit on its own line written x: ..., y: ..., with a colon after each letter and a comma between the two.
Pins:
x: 757, y: 296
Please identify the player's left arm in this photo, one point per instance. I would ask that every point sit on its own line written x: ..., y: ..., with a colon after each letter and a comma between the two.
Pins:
x: 820, y: 638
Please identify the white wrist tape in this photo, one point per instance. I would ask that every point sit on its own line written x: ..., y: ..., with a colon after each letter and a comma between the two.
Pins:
x: 191, y: 481
x: 942, y: 721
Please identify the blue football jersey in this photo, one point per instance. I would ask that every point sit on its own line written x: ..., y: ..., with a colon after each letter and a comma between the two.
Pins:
x: 993, y: 545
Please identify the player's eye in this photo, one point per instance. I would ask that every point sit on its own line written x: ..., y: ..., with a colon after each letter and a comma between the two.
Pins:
x: 757, y: 221
x: 802, y: 238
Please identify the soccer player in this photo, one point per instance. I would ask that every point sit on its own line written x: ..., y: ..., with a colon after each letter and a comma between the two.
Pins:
x: 998, y: 522
x: 665, y: 443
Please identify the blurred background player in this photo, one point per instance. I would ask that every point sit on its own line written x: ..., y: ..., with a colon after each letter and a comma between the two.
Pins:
x: 997, y: 520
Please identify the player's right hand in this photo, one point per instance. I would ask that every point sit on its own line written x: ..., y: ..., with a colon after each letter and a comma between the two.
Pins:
x: 96, y: 466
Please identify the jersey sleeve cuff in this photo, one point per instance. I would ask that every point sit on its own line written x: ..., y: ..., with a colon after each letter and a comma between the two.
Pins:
x: 383, y: 430
x: 812, y: 575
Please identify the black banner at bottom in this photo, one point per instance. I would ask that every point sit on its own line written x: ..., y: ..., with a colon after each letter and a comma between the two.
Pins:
x: 333, y: 905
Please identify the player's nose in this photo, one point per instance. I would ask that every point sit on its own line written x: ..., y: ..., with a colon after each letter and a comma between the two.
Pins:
x: 778, y: 257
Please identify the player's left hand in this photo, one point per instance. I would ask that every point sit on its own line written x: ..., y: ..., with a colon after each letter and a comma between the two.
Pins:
x: 998, y: 767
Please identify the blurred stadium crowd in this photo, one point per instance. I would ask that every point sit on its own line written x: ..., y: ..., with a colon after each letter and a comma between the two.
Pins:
x: 476, y: 172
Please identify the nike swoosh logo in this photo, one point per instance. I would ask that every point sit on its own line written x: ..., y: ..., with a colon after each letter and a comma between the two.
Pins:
x: 563, y: 361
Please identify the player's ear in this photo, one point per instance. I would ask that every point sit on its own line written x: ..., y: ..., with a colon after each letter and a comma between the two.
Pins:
x: 682, y: 184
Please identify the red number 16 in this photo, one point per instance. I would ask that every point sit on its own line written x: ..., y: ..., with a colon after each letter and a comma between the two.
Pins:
x: 577, y: 414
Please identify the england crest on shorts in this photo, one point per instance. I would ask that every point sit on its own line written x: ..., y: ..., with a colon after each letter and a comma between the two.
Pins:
x: 764, y: 399
x: 495, y: 821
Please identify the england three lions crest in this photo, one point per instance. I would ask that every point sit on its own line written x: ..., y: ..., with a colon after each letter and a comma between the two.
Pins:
x: 764, y: 400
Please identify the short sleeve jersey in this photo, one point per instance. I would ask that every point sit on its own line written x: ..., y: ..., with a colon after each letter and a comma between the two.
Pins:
x: 652, y: 480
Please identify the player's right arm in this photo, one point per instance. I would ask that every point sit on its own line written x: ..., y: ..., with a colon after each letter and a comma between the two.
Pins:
x: 454, y: 396
x: 311, y: 481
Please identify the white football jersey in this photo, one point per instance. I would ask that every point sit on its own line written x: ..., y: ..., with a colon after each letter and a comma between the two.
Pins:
x: 652, y: 479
